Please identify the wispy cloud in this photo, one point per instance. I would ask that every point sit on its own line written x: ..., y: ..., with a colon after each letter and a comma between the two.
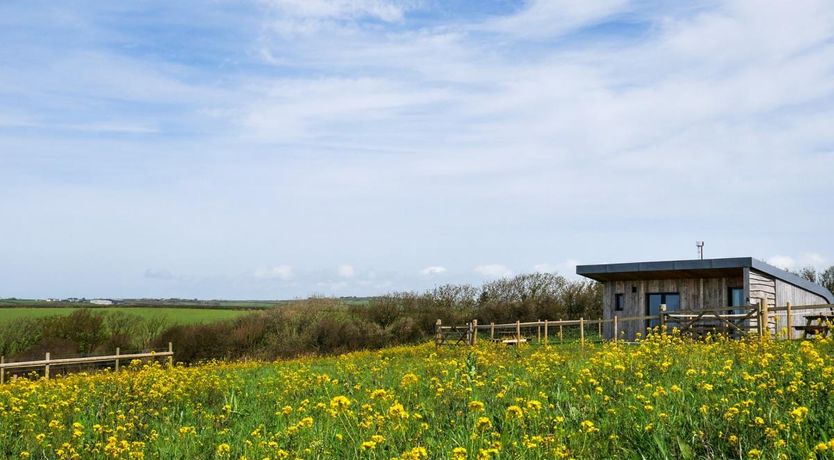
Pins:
x: 280, y: 272
x: 346, y: 271
x: 493, y: 271
x: 522, y: 131
x: 433, y: 270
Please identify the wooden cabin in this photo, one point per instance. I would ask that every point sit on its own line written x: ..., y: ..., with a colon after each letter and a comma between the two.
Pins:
x: 639, y: 288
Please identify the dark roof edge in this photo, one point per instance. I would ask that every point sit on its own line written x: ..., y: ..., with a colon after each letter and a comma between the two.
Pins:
x: 793, y: 279
x: 665, y: 265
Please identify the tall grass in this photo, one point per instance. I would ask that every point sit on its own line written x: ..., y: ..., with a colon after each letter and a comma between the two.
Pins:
x: 664, y: 398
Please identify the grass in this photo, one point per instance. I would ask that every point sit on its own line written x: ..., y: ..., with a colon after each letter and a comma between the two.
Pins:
x: 173, y: 315
x: 664, y: 398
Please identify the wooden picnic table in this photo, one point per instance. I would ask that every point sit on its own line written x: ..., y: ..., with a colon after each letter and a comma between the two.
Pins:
x: 819, y: 324
x: 509, y: 338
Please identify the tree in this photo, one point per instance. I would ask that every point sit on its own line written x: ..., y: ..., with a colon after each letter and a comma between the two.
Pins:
x: 809, y: 273
x: 826, y: 278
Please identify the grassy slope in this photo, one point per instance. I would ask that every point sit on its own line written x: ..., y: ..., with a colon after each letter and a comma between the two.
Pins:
x: 663, y: 399
x: 173, y: 315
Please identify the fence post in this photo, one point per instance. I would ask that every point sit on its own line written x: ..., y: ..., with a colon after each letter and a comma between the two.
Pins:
x: 561, y: 337
x: 616, y: 332
x: 790, y: 321
x: 474, y: 331
x: 117, y: 358
x: 599, y: 328
x: 171, y: 356
x: 492, y: 331
x: 546, y: 337
x: 46, y: 367
x: 438, y: 332
x: 2, y: 370
x: 518, y: 331
x: 538, y: 331
x: 582, y: 331
x: 662, y: 318
x: 764, y: 329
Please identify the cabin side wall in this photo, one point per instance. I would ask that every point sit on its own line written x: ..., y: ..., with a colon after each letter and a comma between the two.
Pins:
x: 786, y: 292
x: 695, y: 293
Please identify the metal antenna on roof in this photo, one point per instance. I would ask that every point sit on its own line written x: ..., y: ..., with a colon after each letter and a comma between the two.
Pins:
x: 700, y: 245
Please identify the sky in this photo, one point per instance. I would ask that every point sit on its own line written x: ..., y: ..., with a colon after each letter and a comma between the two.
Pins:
x: 275, y: 149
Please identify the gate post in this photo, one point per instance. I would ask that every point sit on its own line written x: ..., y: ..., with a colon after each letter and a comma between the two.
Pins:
x: 474, y: 332
x: 438, y: 332
x: 46, y: 367
x: 615, y: 329
x: 546, y: 337
x: 662, y: 318
x: 790, y: 321
x: 582, y: 331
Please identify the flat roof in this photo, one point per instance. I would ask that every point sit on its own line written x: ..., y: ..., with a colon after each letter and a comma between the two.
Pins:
x: 696, y: 268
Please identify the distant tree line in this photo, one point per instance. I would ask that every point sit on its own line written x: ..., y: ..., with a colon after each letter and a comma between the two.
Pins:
x: 312, y: 326
x: 824, y: 278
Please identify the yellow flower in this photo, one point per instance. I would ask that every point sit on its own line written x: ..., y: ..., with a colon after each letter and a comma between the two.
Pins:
x: 368, y: 445
x: 483, y: 423
x: 514, y: 412
x: 224, y: 449
x: 398, y: 412
x: 459, y: 453
x: 339, y: 403
x: 476, y: 406
x: 588, y: 426
x: 408, y: 380
x: 416, y: 453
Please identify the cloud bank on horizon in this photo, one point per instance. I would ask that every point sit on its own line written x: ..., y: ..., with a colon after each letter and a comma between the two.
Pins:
x: 281, y: 148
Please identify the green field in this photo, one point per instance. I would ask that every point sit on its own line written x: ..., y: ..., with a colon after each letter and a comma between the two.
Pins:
x: 172, y: 315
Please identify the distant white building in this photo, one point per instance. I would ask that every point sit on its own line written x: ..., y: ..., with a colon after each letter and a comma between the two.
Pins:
x: 101, y: 302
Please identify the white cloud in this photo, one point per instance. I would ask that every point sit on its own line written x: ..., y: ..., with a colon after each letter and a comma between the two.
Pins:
x: 346, y: 271
x: 548, y: 18
x: 795, y: 263
x: 566, y: 268
x: 433, y: 270
x: 545, y: 268
x: 493, y: 271
x: 342, y: 9
x: 281, y: 272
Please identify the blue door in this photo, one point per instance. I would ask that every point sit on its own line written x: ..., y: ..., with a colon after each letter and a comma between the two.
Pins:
x: 655, y: 300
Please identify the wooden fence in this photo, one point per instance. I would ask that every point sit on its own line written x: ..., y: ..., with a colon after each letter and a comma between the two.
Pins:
x: 737, y: 322
x: 48, y: 363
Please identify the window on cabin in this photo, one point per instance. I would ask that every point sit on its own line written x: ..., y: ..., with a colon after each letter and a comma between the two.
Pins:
x: 619, y: 302
x: 656, y: 299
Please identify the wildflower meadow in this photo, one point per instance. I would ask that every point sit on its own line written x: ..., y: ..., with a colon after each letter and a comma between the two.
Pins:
x: 664, y: 397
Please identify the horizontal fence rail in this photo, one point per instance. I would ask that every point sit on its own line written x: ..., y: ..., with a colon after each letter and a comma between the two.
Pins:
x: 47, y: 363
x: 734, y: 321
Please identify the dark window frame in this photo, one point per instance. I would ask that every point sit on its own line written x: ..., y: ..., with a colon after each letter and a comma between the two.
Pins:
x: 619, y: 302
x: 650, y: 323
x: 730, y: 296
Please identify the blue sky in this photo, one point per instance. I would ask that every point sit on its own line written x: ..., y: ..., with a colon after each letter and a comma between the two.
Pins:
x: 282, y: 148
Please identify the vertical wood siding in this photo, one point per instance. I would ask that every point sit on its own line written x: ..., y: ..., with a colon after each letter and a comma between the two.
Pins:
x: 714, y: 294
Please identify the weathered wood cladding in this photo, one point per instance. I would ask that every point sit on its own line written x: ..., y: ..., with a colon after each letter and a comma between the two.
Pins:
x: 695, y: 293
x: 786, y: 292
x: 762, y: 287
x: 698, y: 293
